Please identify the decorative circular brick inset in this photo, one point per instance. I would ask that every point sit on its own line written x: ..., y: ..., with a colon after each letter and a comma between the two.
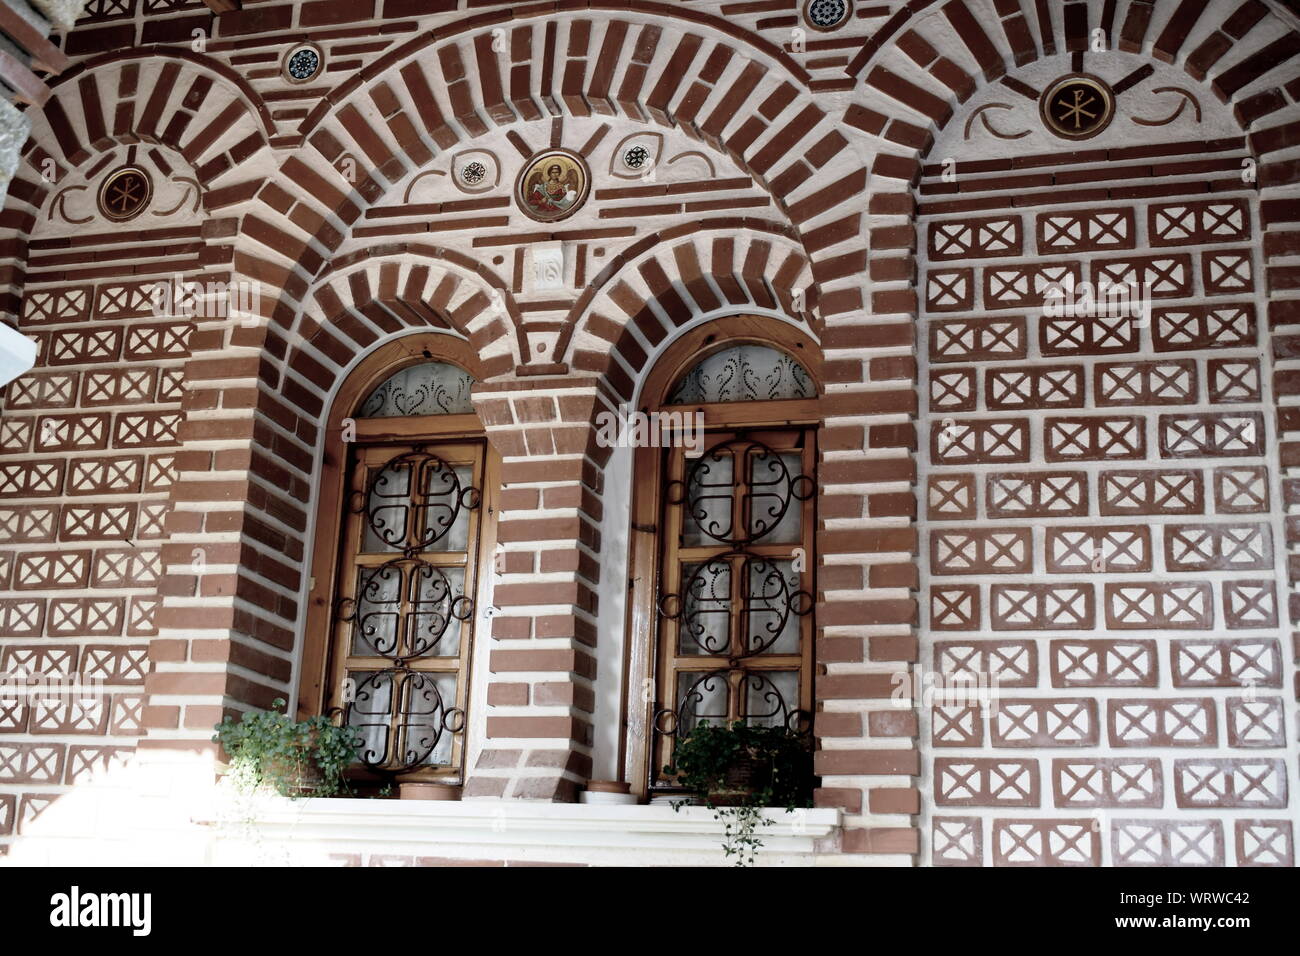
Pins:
x: 472, y: 173
x: 1077, y: 106
x: 125, y: 193
x: 303, y: 63
x: 636, y: 157
x: 827, y: 14
x: 553, y: 185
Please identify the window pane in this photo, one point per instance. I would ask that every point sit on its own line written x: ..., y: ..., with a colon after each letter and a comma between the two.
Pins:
x: 434, y: 624
x: 701, y: 696
x: 775, y: 514
x: 444, y: 517
x: 434, y: 519
x: 371, y: 712
x: 770, y: 697
x: 706, y: 609
x: 388, y: 509
x: 374, y: 627
x: 774, y: 601
x: 433, y: 388
x: 425, y: 738
x: 709, y: 497
x: 744, y: 373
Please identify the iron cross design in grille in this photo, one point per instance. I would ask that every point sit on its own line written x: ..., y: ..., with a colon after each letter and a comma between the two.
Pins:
x: 404, y: 607
x: 736, y: 597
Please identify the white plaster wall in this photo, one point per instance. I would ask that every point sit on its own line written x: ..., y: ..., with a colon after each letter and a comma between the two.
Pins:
x: 611, y: 622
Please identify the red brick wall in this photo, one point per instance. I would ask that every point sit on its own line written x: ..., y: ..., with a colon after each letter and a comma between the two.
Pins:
x: 787, y: 154
x: 1102, y: 515
x: 1100, y: 518
x: 89, y: 456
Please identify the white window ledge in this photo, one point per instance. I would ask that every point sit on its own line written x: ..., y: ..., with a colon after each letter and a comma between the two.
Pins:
x: 322, y: 830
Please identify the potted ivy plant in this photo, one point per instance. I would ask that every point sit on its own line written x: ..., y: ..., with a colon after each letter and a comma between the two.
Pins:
x: 740, y: 769
x: 267, y: 749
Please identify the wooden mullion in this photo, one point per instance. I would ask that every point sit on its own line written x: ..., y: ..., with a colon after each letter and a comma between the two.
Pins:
x: 440, y: 559
x: 772, y: 662
x: 398, y: 695
x: 741, y: 482
x: 808, y: 577
x: 701, y: 554
x: 375, y: 661
x: 340, y: 634
x: 672, y: 581
x: 786, y: 413
x: 736, y: 598
x: 378, y: 430
x: 435, y: 665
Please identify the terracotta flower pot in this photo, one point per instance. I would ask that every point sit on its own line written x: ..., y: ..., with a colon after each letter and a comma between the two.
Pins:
x: 427, y: 791
x: 301, y: 780
x: 737, y: 784
x: 608, y: 792
x: 608, y: 786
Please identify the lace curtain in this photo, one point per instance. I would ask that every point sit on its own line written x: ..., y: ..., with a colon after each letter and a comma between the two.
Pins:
x: 433, y: 388
x: 744, y: 373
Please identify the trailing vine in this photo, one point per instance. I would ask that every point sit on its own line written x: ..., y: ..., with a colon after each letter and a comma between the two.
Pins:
x: 739, y: 770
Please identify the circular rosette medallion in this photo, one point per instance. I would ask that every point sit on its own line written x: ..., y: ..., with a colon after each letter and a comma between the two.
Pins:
x: 1077, y: 106
x: 827, y: 14
x: 302, y: 63
x: 553, y: 185
x: 125, y: 193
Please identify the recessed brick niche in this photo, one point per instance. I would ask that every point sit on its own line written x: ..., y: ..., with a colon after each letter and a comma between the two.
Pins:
x: 1095, y: 507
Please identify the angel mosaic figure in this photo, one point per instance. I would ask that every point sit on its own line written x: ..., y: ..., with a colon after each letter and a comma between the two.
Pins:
x: 552, y: 188
x: 556, y: 193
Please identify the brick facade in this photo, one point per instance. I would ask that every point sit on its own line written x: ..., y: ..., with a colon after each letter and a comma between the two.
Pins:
x: 1098, y: 512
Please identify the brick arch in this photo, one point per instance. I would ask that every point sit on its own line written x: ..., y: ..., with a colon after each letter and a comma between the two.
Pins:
x: 1241, y: 53
x: 418, y: 284
x: 88, y: 114
x: 915, y: 108
x: 719, y: 273
x: 376, y: 292
x: 1025, y: 32
x: 725, y: 95
x: 687, y: 257
x: 538, y: 11
x: 199, y: 62
x: 747, y: 105
x: 382, y: 294
x: 97, y: 106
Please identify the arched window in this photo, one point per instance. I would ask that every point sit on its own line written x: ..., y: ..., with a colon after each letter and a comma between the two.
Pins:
x: 724, y: 527
x: 403, y: 520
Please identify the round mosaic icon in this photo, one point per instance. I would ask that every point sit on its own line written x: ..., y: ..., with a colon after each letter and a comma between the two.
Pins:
x: 827, y: 14
x: 636, y: 157
x: 553, y: 185
x: 302, y: 63
x: 473, y: 173
x: 125, y: 193
x: 1077, y: 106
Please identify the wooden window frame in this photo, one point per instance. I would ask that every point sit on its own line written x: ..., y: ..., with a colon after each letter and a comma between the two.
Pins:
x: 327, y: 558
x: 640, y: 663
